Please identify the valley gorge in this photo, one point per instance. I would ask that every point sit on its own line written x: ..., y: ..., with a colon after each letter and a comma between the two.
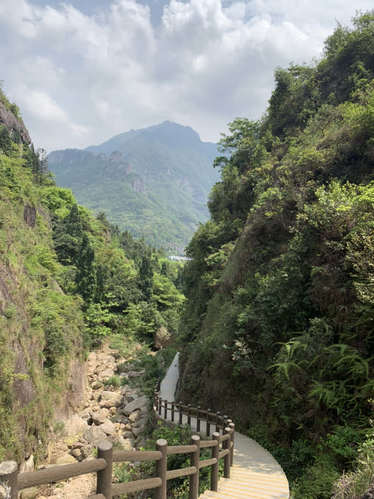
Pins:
x: 272, y: 311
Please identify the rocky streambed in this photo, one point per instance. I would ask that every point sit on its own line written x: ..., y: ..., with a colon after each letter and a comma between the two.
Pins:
x: 118, y: 413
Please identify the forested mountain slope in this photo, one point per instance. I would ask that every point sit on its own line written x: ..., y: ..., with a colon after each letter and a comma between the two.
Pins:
x: 280, y: 305
x: 153, y: 182
x: 67, y: 280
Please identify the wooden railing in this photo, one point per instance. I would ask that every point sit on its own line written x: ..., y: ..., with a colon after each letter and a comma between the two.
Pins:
x: 221, y: 444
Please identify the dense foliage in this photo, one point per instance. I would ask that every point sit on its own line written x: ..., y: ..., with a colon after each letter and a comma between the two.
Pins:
x: 280, y: 305
x: 67, y: 280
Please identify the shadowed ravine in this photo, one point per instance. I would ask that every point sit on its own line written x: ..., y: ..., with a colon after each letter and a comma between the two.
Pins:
x: 255, y: 474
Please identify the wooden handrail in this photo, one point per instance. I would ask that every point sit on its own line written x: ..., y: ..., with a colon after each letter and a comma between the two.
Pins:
x: 221, y: 445
x: 135, y: 486
x: 181, y: 449
x: 121, y: 456
x: 58, y: 473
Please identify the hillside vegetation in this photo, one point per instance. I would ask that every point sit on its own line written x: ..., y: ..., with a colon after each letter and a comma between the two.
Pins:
x: 280, y: 299
x: 67, y: 280
x: 152, y: 182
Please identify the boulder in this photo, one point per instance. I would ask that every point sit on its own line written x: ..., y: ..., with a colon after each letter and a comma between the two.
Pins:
x: 137, y: 430
x: 139, y: 403
x: 94, y: 435
x: 76, y: 453
x: 66, y: 459
x: 108, y: 373
x: 126, y: 444
x: 100, y: 416
x: 96, y: 385
x: 75, y: 425
x: 86, y: 452
x: 30, y: 493
x: 108, y: 427
x: 110, y: 399
x: 134, y: 416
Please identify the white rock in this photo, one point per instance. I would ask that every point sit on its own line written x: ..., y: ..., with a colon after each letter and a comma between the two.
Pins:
x: 108, y: 427
x: 27, y: 465
x: 66, y: 459
x: 94, y: 435
x: 75, y: 425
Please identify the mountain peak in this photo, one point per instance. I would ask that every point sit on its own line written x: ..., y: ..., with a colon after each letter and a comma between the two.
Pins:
x: 172, y: 134
x: 169, y: 133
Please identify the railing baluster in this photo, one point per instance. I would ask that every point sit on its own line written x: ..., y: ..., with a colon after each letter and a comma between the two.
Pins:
x: 161, y: 468
x: 214, y: 472
x: 232, y: 427
x: 227, y: 458
x: 225, y: 420
x: 208, y: 423
x: 103, y: 465
x: 104, y: 477
x: 218, y: 416
x: 198, y: 419
x: 180, y: 413
x: 189, y: 414
x: 165, y: 409
x: 195, y: 459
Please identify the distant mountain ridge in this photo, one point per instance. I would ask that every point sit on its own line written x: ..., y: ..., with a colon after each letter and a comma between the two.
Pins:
x: 153, y: 182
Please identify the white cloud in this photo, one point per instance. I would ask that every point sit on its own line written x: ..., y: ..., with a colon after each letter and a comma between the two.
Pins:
x: 81, y: 78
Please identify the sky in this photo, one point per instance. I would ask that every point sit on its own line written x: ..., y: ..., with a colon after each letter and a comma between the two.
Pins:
x: 82, y: 71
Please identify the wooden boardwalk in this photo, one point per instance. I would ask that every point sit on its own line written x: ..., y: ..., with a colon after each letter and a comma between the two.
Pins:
x: 255, y: 473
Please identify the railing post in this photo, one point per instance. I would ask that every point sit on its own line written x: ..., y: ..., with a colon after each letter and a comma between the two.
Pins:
x: 195, y: 460
x: 159, y: 406
x: 189, y: 414
x: 208, y: 423
x: 165, y: 409
x: 198, y: 419
x: 104, y: 477
x: 232, y: 427
x: 8, y: 478
x: 226, y: 459
x: 218, y: 417
x: 161, y: 468
x: 180, y: 413
x: 214, y: 473
x: 172, y: 411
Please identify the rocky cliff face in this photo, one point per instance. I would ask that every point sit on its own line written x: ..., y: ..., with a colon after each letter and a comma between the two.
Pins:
x: 13, y: 124
x: 38, y: 322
